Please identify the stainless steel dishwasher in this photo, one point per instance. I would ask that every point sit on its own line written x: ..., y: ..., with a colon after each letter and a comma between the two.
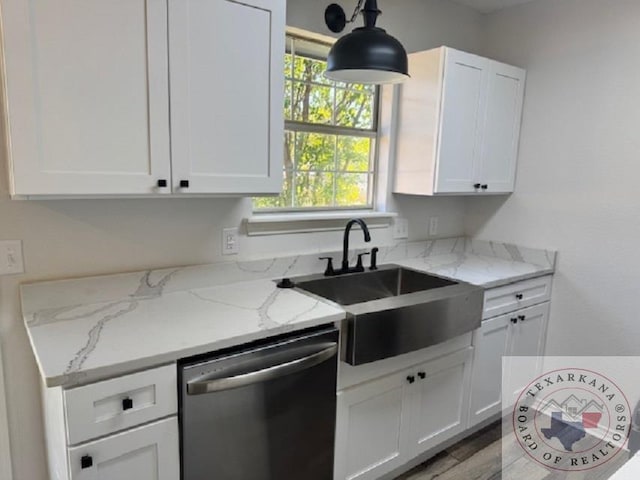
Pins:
x: 265, y: 412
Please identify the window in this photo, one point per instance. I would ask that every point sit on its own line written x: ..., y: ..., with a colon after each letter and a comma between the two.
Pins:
x: 330, y: 133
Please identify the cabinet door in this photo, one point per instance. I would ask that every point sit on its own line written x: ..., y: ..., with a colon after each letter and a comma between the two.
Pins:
x: 440, y: 400
x: 490, y: 342
x: 501, y: 131
x: 144, y: 453
x: 87, y: 96
x: 226, y: 69
x: 462, y: 113
x: 527, y: 339
x: 370, y: 428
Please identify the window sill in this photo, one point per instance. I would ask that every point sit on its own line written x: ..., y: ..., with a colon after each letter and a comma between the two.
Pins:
x: 307, y: 222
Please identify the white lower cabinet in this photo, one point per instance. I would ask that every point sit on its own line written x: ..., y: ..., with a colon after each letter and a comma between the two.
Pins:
x: 144, y: 453
x: 370, y: 422
x: 124, y: 428
x: 440, y: 401
x: 490, y: 345
x: 527, y: 339
x: 383, y: 424
x: 110, y: 406
x: 519, y: 333
x: 508, y: 298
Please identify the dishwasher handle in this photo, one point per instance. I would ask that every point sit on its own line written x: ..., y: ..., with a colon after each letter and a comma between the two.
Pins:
x: 199, y: 387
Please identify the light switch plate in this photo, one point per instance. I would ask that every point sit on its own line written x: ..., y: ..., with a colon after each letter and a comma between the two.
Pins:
x: 230, y: 241
x: 401, y: 228
x: 11, y: 261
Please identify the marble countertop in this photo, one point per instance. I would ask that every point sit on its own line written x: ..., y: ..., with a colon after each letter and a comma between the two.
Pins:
x: 488, y: 272
x: 84, y: 330
x: 79, y: 344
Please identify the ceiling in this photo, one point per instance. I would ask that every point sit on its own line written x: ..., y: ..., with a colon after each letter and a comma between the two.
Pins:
x: 487, y: 6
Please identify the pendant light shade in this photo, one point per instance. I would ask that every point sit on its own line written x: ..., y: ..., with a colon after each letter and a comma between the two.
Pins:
x: 367, y: 55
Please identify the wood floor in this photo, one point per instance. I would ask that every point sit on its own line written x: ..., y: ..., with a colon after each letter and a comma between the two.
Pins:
x: 479, y: 457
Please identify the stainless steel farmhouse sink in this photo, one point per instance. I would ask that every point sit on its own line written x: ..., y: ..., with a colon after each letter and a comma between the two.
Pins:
x: 395, y: 310
x: 362, y: 287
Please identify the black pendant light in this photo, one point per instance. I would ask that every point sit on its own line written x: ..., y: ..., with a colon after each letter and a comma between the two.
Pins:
x: 366, y: 55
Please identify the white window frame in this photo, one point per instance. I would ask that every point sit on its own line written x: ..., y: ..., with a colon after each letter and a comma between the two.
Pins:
x: 373, y: 134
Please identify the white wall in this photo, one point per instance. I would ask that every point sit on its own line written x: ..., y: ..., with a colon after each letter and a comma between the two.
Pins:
x: 70, y: 238
x: 579, y: 166
x: 418, y: 24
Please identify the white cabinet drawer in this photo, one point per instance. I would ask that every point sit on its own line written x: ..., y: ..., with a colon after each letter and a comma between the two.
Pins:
x: 124, y: 402
x: 150, y: 452
x: 515, y: 296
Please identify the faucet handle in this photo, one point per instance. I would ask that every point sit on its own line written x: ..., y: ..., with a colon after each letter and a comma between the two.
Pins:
x: 329, y: 270
x: 359, y: 266
x: 374, y: 258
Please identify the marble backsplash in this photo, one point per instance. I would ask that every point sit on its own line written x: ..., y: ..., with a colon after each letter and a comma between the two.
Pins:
x: 62, y: 294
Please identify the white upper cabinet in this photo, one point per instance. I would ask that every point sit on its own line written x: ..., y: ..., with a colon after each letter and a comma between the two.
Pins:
x: 132, y: 97
x: 87, y: 96
x: 227, y: 88
x: 499, y: 147
x: 462, y: 110
x: 458, y: 124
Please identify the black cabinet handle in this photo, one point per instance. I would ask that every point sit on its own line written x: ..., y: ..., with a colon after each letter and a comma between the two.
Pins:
x: 476, y: 186
x: 519, y: 296
x: 484, y: 187
x: 522, y: 318
x: 127, y: 404
x: 184, y: 183
x: 514, y: 320
x: 162, y: 183
x: 86, y: 462
x: 411, y: 379
x: 422, y: 375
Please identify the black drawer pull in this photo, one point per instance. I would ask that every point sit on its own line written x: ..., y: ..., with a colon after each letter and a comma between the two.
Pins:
x: 422, y: 375
x: 519, y: 296
x: 86, y: 462
x: 522, y: 318
x: 411, y: 379
x: 514, y: 320
x: 184, y: 183
x: 127, y: 404
x: 162, y: 183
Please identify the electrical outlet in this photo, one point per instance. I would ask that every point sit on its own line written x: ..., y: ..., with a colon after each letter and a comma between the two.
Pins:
x: 433, y: 226
x: 11, y: 261
x: 230, y: 241
x: 401, y: 228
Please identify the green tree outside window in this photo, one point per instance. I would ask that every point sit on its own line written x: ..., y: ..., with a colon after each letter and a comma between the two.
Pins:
x: 329, y: 141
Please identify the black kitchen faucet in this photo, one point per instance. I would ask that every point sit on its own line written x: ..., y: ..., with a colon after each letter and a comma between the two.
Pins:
x: 344, y: 267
